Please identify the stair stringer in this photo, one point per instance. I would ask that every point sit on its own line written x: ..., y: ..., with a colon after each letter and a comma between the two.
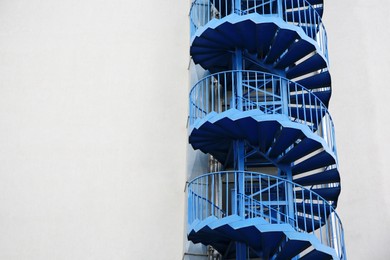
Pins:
x: 233, y: 228
x: 225, y: 45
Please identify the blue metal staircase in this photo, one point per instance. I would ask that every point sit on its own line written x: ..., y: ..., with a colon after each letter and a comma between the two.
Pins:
x: 263, y: 107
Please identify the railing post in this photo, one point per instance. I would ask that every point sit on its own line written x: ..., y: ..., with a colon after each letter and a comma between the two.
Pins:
x: 239, y: 150
x: 290, y: 198
x: 237, y: 61
x: 280, y: 8
x: 284, y: 91
x: 236, y: 6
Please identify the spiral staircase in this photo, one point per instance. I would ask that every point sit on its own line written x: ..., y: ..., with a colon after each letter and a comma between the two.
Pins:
x: 263, y: 107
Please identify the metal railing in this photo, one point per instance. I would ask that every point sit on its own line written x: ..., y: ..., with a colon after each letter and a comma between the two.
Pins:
x: 299, y: 13
x: 267, y: 93
x: 276, y: 200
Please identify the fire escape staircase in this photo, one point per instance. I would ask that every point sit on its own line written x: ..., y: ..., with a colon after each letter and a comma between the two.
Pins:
x: 264, y: 103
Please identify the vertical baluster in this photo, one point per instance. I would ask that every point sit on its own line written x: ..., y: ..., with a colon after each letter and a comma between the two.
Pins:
x: 277, y: 201
x: 321, y: 219
x: 208, y: 11
x: 262, y: 7
x: 326, y: 216
x: 337, y: 233
x: 225, y: 91
x: 235, y: 193
x: 318, y: 119
x: 276, y: 88
x: 213, y: 94
x: 208, y: 199
x: 234, y: 76
x: 261, y: 195
x: 312, y: 213
x: 311, y: 110
x: 269, y: 199
x: 331, y: 226
x: 296, y: 102
x: 304, y: 209
x: 295, y: 190
x: 197, y: 200
x: 311, y: 22
x: 218, y: 109
x: 264, y: 92
x: 220, y: 193
x: 292, y: 11
x: 256, y: 90
x: 227, y: 194
x: 212, y: 195
x: 304, y: 107
x: 208, y: 94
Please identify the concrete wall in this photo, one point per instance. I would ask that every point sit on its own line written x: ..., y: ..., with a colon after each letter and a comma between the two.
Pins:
x: 93, y: 110
x: 359, y: 35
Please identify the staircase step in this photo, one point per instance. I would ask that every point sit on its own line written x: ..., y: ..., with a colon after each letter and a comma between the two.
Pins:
x: 265, y: 34
x: 311, y: 224
x: 244, y: 30
x: 320, y: 80
x: 291, y: 249
x: 217, y: 61
x: 310, y: 30
x: 302, y: 149
x: 306, y: 98
x: 319, y: 160
x: 267, y: 133
x: 297, y: 51
x: 295, y: 3
x: 316, y: 209
x: 206, y: 42
x: 285, y: 139
x: 227, y: 33
x: 270, y: 243
x: 316, y: 255
x: 305, y: 15
x: 312, y: 64
x: 330, y: 194
x: 283, y: 39
x: 329, y: 176
x: 312, y: 115
x: 249, y: 130
x: 230, y: 127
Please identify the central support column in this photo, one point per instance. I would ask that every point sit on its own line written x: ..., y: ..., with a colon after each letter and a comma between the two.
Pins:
x: 239, y: 152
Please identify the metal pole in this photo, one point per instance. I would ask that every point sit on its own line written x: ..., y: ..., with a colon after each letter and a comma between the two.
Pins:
x: 239, y: 153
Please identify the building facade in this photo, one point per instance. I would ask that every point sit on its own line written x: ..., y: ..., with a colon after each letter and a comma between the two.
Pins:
x: 258, y: 117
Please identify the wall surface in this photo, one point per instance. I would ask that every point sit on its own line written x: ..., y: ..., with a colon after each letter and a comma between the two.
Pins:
x: 93, y: 110
x: 359, y: 38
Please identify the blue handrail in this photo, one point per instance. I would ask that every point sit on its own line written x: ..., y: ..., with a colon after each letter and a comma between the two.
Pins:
x: 264, y: 92
x: 302, y: 14
x: 307, y: 212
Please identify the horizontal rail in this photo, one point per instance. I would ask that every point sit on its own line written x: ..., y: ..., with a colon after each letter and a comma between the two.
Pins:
x: 227, y: 193
x: 301, y: 13
x: 267, y: 93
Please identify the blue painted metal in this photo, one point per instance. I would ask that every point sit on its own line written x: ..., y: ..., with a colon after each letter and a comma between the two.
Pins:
x: 264, y: 104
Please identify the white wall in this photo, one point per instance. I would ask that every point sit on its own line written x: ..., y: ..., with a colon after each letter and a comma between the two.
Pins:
x: 359, y: 36
x: 93, y: 110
